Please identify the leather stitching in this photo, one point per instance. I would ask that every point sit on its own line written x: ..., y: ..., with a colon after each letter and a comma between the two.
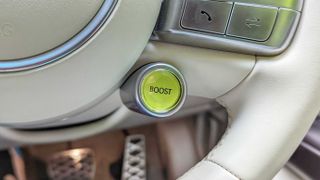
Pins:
x: 209, y: 157
x: 211, y: 154
x: 188, y: 172
x: 228, y: 170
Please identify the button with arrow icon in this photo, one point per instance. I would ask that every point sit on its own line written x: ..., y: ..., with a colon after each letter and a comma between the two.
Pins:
x: 252, y: 22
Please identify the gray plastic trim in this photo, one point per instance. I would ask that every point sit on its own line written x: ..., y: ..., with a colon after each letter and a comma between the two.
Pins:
x: 67, y: 48
x: 169, y: 29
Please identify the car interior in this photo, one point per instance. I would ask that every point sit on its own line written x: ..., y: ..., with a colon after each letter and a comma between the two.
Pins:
x: 159, y: 90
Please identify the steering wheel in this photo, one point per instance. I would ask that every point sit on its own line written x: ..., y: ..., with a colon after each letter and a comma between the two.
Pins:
x: 270, y: 107
x: 270, y: 111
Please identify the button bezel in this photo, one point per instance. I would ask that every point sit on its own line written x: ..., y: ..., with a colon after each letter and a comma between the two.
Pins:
x: 224, y: 10
x: 239, y: 9
x: 131, y: 95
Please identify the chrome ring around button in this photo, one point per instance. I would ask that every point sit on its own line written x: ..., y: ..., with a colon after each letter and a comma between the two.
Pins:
x: 132, y: 91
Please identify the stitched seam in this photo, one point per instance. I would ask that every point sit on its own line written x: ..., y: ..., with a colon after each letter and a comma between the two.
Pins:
x: 209, y: 157
x: 228, y: 170
x: 220, y: 143
x: 189, y: 171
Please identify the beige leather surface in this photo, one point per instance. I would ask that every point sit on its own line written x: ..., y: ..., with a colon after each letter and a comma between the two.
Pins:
x: 32, y: 27
x: 272, y: 109
x: 269, y: 112
x: 207, y: 170
x: 225, y: 69
x: 122, y: 118
x: 83, y: 79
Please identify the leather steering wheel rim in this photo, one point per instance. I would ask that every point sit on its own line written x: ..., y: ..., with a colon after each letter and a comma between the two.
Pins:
x: 270, y: 111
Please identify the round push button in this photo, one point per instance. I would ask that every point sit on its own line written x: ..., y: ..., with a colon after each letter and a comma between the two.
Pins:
x: 160, y: 91
x: 156, y: 89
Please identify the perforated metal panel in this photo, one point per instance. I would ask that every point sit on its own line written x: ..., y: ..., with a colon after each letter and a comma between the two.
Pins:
x: 134, y: 162
x: 76, y: 164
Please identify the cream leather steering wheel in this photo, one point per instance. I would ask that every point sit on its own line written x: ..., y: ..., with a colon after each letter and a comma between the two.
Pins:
x: 270, y: 111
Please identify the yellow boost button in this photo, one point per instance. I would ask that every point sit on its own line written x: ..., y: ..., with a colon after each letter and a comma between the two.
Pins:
x: 156, y: 89
x: 160, y: 91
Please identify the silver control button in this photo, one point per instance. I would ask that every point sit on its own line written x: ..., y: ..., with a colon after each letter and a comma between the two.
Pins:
x: 252, y: 22
x: 207, y: 16
x: 157, y: 90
